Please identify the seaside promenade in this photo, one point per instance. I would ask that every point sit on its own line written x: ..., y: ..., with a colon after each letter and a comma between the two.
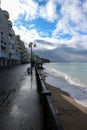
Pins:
x: 21, y: 110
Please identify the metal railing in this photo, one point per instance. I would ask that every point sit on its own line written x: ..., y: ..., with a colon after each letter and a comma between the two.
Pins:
x: 51, y: 120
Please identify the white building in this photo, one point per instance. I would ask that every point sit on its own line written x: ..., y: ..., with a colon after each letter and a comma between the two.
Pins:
x: 4, y: 38
x: 12, y: 49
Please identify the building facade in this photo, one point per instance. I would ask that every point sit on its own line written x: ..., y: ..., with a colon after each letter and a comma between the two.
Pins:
x: 12, y: 48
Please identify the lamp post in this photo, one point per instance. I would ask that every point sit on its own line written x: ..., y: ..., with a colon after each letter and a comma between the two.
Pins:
x: 31, y: 44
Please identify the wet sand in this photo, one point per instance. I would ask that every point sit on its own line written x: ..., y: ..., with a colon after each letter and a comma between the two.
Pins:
x: 72, y: 115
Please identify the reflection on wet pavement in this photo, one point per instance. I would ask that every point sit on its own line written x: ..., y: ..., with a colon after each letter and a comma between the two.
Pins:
x: 24, y: 111
x: 17, y: 112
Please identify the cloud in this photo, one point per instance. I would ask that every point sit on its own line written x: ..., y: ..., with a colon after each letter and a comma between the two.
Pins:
x: 72, y: 22
x: 67, y: 40
x: 63, y: 53
x: 20, y: 7
x: 30, y: 9
x: 13, y: 7
x: 31, y: 26
x: 48, y: 11
x: 46, y: 43
x: 27, y: 35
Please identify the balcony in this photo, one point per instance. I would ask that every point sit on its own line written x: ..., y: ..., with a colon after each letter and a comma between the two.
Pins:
x: 12, y: 41
x: 11, y: 32
x: 10, y: 23
x: 18, y: 37
x: 3, y: 45
x: 20, y: 50
x: 3, y: 54
x: 11, y: 51
x: 11, y: 48
x: 6, y: 14
x: 12, y: 57
x: 17, y: 57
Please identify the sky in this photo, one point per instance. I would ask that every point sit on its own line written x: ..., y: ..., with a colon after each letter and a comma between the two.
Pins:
x: 58, y: 27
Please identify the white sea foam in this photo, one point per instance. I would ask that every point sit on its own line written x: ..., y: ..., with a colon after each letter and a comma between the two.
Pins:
x: 71, y: 84
x: 71, y: 79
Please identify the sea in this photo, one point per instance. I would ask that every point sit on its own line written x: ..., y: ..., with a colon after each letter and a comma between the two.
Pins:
x: 69, y: 77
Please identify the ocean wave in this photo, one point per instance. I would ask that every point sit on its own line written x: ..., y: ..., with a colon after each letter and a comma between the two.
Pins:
x: 69, y: 83
x: 71, y: 79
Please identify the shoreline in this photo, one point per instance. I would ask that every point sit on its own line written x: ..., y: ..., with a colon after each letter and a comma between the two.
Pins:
x: 72, y: 115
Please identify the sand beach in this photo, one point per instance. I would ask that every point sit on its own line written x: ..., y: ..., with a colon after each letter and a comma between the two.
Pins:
x: 72, y: 115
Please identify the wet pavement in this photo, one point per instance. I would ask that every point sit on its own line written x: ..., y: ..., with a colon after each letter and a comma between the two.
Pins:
x: 10, y: 76
x: 22, y: 110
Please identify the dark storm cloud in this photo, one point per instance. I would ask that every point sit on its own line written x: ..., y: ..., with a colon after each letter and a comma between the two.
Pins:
x: 43, y: 42
x: 77, y: 50
x: 64, y: 53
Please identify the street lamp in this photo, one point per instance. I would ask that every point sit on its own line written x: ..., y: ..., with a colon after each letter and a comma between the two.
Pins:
x: 31, y: 44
